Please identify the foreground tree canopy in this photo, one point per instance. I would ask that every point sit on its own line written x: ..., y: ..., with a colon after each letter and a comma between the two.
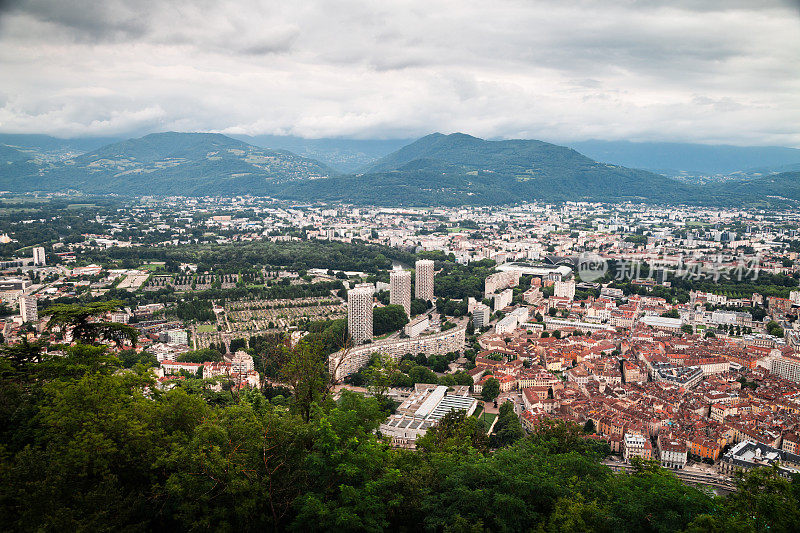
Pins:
x: 86, y: 446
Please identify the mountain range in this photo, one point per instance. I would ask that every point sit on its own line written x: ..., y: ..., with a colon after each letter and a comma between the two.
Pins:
x: 438, y: 169
x: 685, y: 159
x: 190, y: 164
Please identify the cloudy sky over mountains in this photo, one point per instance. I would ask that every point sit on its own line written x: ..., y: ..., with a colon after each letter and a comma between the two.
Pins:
x: 706, y: 71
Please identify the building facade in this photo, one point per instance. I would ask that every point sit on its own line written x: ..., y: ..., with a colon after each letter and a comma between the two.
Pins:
x: 480, y: 316
x: 38, y: 256
x: 400, y: 289
x: 359, y: 313
x: 345, y: 362
x: 28, y: 309
x: 423, y: 288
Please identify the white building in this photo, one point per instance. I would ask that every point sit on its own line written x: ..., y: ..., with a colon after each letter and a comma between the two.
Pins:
x: 349, y: 361
x: 400, y: 289
x: 417, y: 326
x: 422, y: 410
x: 672, y: 451
x: 242, y: 362
x: 28, y: 309
x: 794, y: 296
x: 786, y: 367
x: 480, y: 316
x: 174, y: 336
x: 38, y: 256
x: 423, y: 288
x: 565, y: 289
x: 359, y: 313
x: 501, y: 280
x: 503, y: 299
x: 634, y: 445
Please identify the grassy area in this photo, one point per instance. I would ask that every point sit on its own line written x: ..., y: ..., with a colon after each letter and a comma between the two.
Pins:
x: 206, y: 328
x: 478, y: 410
x: 150, y: 266
x: 489, y: 418
x: 80, y: 206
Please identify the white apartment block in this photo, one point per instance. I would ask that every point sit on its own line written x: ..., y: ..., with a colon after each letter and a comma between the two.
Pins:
x: 345, y: 362
x: 359, y: 313
x: 423, y: 289
x: 673, y: 452
x: 786, y: 367
x: 242, y: 362
x: 28, y: 309
x: 400, y: 289
x: 564, y: 289
x: 503, y: 299
x: 794, y: 296
x: 501, y: 280
x: 480, y: 316
x: 38, y: 256
x: 417, y: 326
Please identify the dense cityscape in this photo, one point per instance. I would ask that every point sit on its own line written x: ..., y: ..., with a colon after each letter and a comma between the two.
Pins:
x: 664, y: 334
x: 452, y: 267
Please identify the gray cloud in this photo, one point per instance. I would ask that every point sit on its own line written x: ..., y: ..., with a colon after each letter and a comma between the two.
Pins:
x: 705, y: 71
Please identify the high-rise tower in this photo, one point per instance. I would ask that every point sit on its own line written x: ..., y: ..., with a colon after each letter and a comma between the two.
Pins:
x: 400, y: 289
x: 423, y: 288
x: 359, y: 313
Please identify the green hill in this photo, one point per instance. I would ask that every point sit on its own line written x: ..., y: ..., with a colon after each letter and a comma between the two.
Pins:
x: 173, y: 164
x: 461, y: 169
x: 776, y: 189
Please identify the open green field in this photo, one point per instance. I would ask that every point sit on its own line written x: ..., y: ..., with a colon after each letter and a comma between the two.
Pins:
x: 80, y: 206
x: 488, y: 418
x: 206, y: 328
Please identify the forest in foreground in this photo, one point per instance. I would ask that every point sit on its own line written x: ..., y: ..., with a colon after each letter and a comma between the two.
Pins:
x: 88, y: 445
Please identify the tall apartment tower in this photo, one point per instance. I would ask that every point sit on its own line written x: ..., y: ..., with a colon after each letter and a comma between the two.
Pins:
x: 28, y: 309
x: 400, y: 289
x: 423, y: 289
x: 38, y: 256
x: 359, y: 313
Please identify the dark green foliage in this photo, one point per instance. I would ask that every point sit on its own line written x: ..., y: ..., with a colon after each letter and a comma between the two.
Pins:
x: 490, y: 389
x: 130, y: 358
x: 773, y: 328
x: 388, y: 318
x: 195, y: 309
x: 418, y: 306
x: 79, y: 320
x: 293, y: 255
x: 200, y: 356
x: 457, y: 281
x: 87, y: 447
x: 507, y: 429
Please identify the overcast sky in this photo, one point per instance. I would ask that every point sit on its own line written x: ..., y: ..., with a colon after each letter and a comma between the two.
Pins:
x: 724, y: 71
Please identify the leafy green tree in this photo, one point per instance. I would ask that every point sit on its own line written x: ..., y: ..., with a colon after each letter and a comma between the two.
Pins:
x: 307, y: 373
x: 764, y: 501
x: 773, y: 328
x: 84, y: 324
x: 129, y: 358
x: 200, y: 356
x: 490, y: 389
x: 507, y: 429
x: 388, y: 318
x: 455, y: 432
